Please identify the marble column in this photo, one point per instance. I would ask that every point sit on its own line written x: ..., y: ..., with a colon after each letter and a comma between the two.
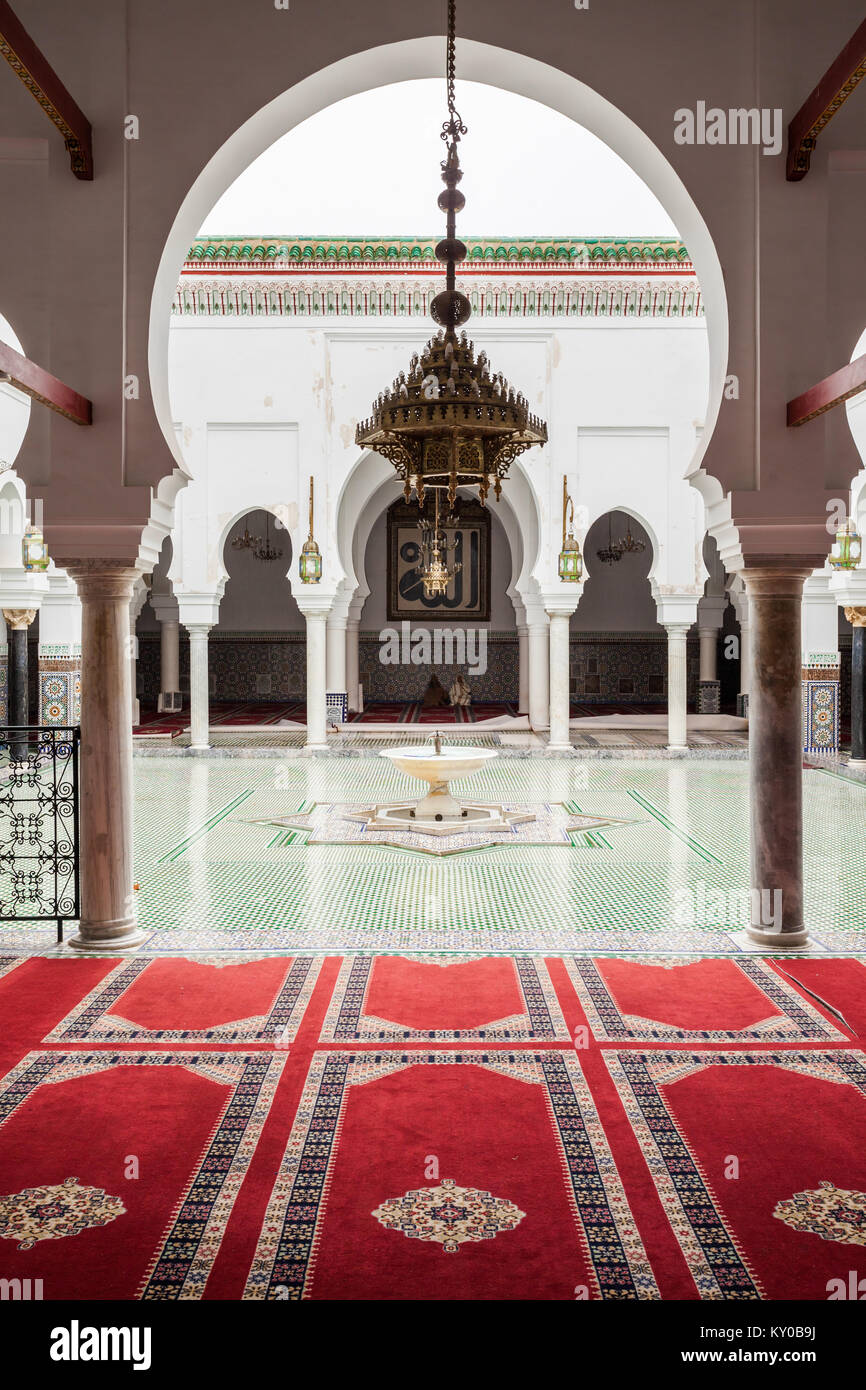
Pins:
x: 18, y: 621
x: 317, y: 737
x: 169, y: 663
x: 108, y: 918
x: 677, y: 685
x: 776, y: 756
x: 708, y: 637
x: 336, y: 654
x: 559, y: 611
x: 522, y: 669
x: 539, y: 675
x: 353, y: 663
x: 857, y: 619
x: 199, y: 685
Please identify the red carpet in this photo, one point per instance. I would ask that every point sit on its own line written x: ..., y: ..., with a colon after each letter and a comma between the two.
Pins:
x: 260, y: 714
x: 408, y: 1128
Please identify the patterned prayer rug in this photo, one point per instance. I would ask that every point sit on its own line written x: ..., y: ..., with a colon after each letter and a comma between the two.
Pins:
x: 209, y: 999
x: 120, y: 1170
x: 443, y: 1175
x: 694, y: 1001
x: 758, y: 1160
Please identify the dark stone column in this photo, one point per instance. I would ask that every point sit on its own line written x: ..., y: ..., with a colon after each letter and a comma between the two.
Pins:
x: 18, y: 621
x: 776, y: 756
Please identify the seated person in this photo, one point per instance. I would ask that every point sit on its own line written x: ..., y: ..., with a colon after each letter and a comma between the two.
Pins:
x: 435, y: 695
x: 460, y: 694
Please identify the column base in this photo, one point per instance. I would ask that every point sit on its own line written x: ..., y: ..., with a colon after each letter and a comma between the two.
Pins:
x: 560, y: 748
x: 777, y: 940
x: 108, y: 936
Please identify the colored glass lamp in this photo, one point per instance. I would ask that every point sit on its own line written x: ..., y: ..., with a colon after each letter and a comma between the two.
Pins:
x: 847, y: 548
x: 34, y: 551
x: 570, y: 558
x: 310, y: 563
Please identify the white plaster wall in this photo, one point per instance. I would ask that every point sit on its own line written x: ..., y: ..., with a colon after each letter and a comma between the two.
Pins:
x: 261, y: 406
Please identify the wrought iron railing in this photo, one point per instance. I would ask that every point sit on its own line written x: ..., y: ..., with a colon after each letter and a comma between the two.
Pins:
x: 39, y: 859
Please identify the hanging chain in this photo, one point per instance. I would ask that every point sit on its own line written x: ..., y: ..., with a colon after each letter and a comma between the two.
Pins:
x: 453, y: 128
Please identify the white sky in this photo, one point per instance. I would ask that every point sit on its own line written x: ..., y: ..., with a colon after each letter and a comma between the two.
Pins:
x: 369, y: 165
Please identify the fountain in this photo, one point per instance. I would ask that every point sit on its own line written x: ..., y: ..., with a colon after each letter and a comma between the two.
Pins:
x: 440, y: 813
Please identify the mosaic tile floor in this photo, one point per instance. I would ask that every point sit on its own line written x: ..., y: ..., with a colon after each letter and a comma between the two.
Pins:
x: 672, y: 879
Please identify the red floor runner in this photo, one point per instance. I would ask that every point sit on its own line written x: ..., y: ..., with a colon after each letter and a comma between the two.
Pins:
x: 402, y: 1128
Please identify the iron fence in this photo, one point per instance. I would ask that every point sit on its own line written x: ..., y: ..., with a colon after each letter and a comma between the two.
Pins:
x: 39, y: 841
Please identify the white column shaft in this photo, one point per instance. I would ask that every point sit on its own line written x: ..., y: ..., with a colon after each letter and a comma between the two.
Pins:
x: 677, y: 685
x: 316, y: 684
x: 539, y: 676
x: 336, y: 655
x: 199, y: 689
x: 523, y: 670
x: 353, y: 662
x: 560, y: 692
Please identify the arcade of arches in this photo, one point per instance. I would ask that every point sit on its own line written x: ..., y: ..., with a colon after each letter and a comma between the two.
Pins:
x: 345, y: 820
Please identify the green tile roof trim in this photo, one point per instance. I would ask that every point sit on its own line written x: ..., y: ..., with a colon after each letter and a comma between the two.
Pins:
x: 377, y: 250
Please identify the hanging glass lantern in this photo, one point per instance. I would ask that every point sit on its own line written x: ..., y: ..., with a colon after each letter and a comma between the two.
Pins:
x: 310, y: 563
x: 437, y: 554
x: 570, y: 558
x: 847, y: 548
x: 34, y: 551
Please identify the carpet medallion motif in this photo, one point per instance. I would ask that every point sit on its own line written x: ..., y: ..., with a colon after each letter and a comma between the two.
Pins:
x: 55, y: 1211
x: 449, y: 1215
x: 827, y: 1211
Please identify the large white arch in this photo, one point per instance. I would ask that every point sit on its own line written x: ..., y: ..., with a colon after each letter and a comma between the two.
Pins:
x: 484, y: 63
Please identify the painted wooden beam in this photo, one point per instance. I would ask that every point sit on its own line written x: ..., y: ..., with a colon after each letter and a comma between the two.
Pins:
x: 29, y: 63
x: 821, y: 105
x: 41, y: 386
x: 832, y: 391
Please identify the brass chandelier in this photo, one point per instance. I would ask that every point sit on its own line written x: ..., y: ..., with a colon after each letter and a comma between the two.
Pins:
x: 451, y: 421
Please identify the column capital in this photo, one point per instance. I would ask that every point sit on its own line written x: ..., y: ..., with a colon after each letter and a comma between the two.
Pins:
x: 19, y: 619
x: 776, y: 581
x: 856, y: 616
x: 102, y: 579
x: 675, y: 630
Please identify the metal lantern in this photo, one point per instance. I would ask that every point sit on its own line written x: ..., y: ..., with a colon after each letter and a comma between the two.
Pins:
x: 451, y: 421
x: 310, y: 563
x: 34, y: 551
x: 570, y: 558
x: 847, y: 548
x: 438, y: 567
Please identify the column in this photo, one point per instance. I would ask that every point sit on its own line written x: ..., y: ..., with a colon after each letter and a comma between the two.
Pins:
x: 523, y: 669
x: 539, y: 675
x: 711, y: 616
x: 169, y: 664
x: 776, y: 756
x: 317, y: 737
x: 353, y: 663
x: 677, y: 685
x: 199, y: 685
x: 857, y: 619
x: 108, y: 919
x: 139, y: 598
x: 18, y: 622
x: 336, y: 654
x: 559, y: 610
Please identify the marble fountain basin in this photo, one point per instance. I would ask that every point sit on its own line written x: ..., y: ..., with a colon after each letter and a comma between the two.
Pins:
x: 440, y: 813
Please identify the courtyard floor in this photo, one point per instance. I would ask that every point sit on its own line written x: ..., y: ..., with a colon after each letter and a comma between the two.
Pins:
x: 218, y: 868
